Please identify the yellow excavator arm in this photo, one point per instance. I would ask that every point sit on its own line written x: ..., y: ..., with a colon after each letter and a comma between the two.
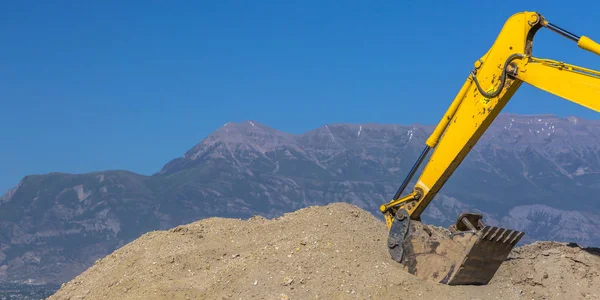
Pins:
x: 496, y: 76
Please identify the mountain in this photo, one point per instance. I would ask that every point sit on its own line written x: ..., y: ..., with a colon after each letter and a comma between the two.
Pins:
x: 540, y: 174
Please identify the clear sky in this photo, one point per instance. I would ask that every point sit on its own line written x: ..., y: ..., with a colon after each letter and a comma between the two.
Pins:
x: 132, y: 84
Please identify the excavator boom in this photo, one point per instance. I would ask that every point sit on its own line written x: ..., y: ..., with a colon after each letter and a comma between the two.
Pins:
x: 471, y: 252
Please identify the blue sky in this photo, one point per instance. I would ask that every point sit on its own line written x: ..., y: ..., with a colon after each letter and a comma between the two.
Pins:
x: 133, y: 84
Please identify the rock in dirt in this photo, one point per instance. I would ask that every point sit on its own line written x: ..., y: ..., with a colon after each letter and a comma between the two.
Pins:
x: 336, y: 251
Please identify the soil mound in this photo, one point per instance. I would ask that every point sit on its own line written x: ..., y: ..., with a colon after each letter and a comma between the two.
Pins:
x: 336, y: 251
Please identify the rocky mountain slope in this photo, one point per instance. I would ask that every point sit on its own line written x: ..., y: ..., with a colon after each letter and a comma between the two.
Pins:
x: 540, y: 174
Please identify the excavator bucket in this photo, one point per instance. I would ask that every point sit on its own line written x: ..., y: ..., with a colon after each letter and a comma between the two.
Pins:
x: 468, y: 253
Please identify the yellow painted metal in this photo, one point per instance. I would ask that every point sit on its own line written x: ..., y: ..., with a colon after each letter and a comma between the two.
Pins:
x: 474, y: 255
x: 472, y: 112
x: 389, y: 219
x: 473, y: 116
x: 439, y: 129
x: 388, y: 214
x: 396, y: 202
x: 588, y: 44
x: 576, y: 84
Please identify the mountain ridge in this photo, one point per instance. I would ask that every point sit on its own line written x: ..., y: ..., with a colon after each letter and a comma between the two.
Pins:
x: 536, y: 173
x: 500, y: 118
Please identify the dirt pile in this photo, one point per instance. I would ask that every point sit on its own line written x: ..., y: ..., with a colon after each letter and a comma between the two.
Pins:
x: 331, y: 252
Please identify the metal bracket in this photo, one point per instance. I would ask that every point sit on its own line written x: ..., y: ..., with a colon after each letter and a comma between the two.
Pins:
x: 397, y: 234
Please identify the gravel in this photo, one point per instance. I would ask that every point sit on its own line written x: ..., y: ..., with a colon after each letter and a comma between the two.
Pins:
x: 336, y: 251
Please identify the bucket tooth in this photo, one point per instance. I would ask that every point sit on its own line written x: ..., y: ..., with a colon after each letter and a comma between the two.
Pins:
x: 495, y: 231
x: 517, y: 238
x: 503, y: 234
x: 486, y: 232
x: 509, y: 236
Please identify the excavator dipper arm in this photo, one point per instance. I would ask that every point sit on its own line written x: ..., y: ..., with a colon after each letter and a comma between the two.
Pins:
x: 493, y: 82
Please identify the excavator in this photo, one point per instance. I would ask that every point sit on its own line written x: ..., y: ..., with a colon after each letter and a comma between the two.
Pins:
x: 470, y: 252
